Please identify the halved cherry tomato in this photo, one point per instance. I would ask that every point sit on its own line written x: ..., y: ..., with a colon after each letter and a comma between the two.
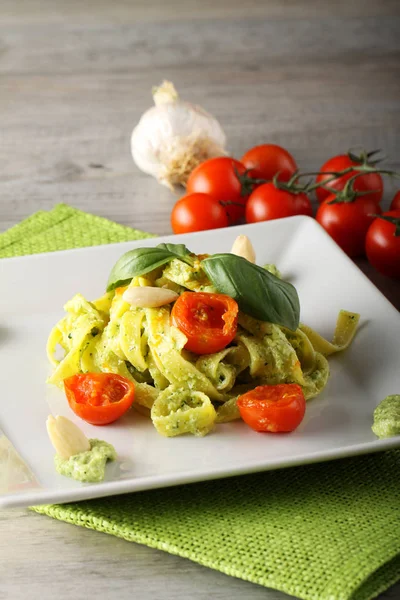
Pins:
x: 209, y: 321
x: 99, y: 398
x: 197, y: 212
x: 268, y: 202
x: 347, y: 222
x: 396, y: 201
x: 273, y: 408
x: 369, y: 182
x: 267, y: 160
x: 383, y: 246
x: 218, y: 178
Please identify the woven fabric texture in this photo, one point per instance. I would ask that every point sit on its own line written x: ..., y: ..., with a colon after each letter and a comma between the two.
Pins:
x: 329, y: 531
x: 62, y: 228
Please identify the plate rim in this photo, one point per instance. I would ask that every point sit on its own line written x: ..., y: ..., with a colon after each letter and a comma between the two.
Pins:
x: 95, y: 490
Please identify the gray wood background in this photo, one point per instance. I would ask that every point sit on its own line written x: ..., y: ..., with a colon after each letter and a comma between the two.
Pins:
x: 313, y: 76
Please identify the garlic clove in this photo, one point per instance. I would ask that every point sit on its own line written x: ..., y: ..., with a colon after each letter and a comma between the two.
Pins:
x: 243, y: 247
x: 66, y: 437
x: 149, y: 297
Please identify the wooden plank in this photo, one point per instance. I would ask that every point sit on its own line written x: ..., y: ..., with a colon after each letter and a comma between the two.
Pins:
x: 254, y: 43
x: 43, y: 559
x: 24, y: 12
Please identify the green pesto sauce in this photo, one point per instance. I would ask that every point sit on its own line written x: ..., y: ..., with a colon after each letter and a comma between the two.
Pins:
x: 387, y: 417
x: 273, y: 269
x: 87, y: 466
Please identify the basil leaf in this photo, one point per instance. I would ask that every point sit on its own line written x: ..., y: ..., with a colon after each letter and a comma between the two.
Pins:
x: 179, y: 251
x: 257, y: 292
x: 143, y: 260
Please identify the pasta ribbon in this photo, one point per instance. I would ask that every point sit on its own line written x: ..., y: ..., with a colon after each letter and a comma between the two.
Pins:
x: 160, y: 381
x: 132, y: 341
x: 164, y: 282
x: 239, y: 357
x: 317, y: 379
x: 221, y: 375
x: 73, y: 333
x: 345, y: 330
x: 111, y: 334
x: 272, y: 358
x: 108, y: 362
x: 166, y: 343
x: 103, y: 304
x: 303, y: 348
x: 228, y: 411
x: 180, y: 410
x: 55, y: 339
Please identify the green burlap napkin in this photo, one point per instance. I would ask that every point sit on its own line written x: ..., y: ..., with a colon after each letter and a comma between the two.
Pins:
x: 329, y: 531
x: 62, y: 228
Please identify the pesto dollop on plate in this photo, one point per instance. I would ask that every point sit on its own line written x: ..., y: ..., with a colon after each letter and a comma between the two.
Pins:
x: 88, y: 466
x: 387, y: 417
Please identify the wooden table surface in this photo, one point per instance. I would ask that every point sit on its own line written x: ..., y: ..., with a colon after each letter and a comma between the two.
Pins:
x: 316, y: 77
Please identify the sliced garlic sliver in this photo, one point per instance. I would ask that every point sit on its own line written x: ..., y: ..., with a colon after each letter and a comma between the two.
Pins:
x: 243, y: 247
x: 149, y: 297
x: 66, y: 437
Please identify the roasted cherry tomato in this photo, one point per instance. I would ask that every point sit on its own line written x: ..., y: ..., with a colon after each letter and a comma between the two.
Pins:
x: 273, y: 408
x: 209, y: 321
x: 363, y: 183
x: 218, y: 178
x: 383, y: 245
x: 347, y: 222
x: 267, y: 160
x: 396, y: 201
x: 99, y: 398
x: 197, y: 212
x: 267, y: 202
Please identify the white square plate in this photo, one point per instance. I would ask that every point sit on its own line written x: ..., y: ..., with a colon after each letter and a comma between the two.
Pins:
x: 337, y: 423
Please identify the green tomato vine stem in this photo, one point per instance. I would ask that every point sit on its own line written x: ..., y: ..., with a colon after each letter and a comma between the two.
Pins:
x: 348, y: 194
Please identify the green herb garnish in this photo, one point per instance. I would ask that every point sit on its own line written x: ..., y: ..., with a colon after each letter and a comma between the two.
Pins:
x: 257, y: 292
x: 143, y: 260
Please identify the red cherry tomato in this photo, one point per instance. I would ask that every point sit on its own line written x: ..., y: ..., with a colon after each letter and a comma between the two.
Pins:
x: 369, y: 181
x: 383, y: 246
x: 347, y: 222
x: 396, y: 201
x: 268, y: 202
x: 99, y: 398
x: 267, y: 160
x: 198, y: 212
x: 209, y: 321
x: 273, y: 408
x: 217, y: 177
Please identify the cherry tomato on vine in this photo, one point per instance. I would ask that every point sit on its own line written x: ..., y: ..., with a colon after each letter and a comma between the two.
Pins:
x: 267, y: 202
x: 217, y: 177
x: 273, y: 408
x: 198, y: 212
x: 347, y: 222
x: 209, y: 321
x: 99, y: 398
x: 369, y: 181
x: 267, y: 160
x: 383, y: 246
x: 396, y: 201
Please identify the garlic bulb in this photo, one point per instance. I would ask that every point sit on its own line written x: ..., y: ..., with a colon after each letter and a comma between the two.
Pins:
x: 174, y: 136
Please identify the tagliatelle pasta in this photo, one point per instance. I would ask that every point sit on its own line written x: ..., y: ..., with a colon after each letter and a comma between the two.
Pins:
x: 180, y: 410
x: 345, y: 330
x: 181, y: 391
